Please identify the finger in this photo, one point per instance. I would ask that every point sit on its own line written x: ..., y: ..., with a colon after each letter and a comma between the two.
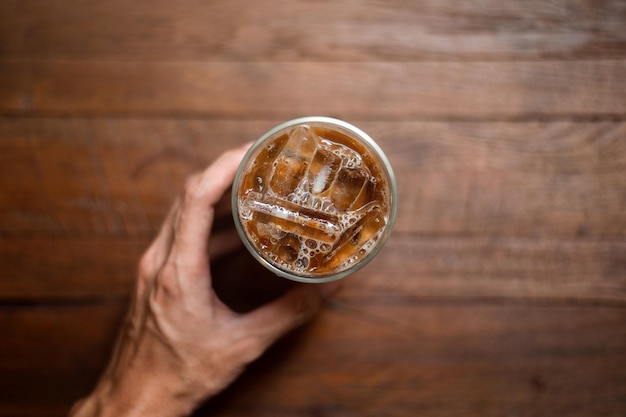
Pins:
x: 193, y: 225
x: 293, y: 309
x: 163, y: 242
x: 158, y: 251
x: 224, y: 207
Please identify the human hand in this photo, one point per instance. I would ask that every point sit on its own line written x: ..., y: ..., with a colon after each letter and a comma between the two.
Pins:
x: 180, y: 344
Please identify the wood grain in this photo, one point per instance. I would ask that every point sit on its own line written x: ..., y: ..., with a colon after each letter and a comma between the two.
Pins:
x: 427, y: 357
x: 282, y: 30
x: 502, y: 290
x: 532, y: 179
x: 441, y: 358
x: 68, y: 269
x: 53, y: 353
x: 283, y: 90
x: 409, y: 266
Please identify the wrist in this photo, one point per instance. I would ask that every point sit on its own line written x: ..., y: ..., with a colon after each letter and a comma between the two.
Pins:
x: 146, y: 397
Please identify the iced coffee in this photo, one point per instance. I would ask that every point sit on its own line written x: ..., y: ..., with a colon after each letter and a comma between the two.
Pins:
x: 314, y: 199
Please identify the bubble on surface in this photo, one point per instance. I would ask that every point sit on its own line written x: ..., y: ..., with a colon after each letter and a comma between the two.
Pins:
x: 302, y: 263
x: 287, y: 248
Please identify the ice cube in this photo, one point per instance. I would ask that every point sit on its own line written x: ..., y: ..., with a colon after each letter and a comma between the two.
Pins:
x: 260, y: 170
x: 293, y: 218
x: 366, y: 196
x: 293, y: 161
x: 354, y: 239
x: 263, y: 229
x: 323, y: 169
x: 347, y: 187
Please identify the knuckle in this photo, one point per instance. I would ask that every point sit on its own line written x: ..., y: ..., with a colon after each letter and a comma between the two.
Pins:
x: 192, y: 190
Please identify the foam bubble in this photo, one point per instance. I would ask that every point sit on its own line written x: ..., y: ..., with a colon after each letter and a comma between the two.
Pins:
x: 302, y: 262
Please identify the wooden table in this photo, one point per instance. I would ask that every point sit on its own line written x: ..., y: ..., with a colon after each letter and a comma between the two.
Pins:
x: 502, y: 291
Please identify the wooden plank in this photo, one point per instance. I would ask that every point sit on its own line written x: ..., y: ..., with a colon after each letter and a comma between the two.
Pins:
x: 440, y: 358
x: 282, y: 90
x: 108, y: 177
x: 283, y: 30
x: 55, y: 172
x: 443, y: 361
x: 51, y: 355
x: 535, y: 179
x: 49, y: 269
x: 409, y: 266
x: 497, y: 267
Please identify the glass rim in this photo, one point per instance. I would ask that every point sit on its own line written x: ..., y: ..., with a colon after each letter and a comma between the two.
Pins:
x: 361, y: 135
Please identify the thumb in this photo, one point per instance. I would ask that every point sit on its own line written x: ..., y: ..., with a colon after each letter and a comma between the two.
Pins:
x: 272, y: 320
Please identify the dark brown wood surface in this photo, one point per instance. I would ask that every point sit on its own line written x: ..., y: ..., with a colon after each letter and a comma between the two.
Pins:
x: 502, y: 290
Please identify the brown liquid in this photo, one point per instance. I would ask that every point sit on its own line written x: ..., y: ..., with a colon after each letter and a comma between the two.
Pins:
x: 313, y: 201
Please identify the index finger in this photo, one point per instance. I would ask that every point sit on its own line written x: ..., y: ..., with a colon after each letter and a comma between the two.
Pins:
x: 193, y: 225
